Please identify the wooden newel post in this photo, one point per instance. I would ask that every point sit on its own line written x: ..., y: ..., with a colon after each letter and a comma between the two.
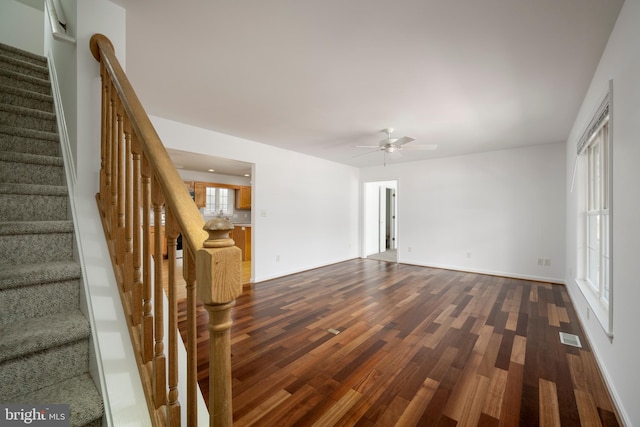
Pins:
x: 219, y: 282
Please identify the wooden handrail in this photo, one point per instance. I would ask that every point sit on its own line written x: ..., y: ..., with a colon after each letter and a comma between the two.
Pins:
x: 137, y: 178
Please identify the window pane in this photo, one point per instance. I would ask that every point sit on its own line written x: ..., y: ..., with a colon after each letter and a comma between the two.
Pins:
x: 605, y: 234
x: 211, y: 199
x: 223, y: 199
x: 594, y: 270
x: 597, y: 182
x: 593, y: 232
x: 605, y: 279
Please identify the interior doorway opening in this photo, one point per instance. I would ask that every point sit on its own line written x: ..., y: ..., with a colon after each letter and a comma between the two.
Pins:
x: 381, y: 220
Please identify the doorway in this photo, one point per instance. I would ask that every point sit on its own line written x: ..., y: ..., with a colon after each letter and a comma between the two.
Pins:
x: 380, y: 220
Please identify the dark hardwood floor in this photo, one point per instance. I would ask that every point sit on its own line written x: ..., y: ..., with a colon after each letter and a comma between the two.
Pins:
x: 416, y: 346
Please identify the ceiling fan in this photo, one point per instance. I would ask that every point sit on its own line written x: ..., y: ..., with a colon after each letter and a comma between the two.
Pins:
x: 394, y: 145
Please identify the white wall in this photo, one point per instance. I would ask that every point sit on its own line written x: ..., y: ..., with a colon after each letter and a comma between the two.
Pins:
x: 21, y: 26
x: 305, y: 210
x: 495, y: 212
x: 618, y: 357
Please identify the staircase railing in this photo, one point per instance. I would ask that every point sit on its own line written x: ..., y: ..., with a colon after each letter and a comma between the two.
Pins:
x: 137, y: 177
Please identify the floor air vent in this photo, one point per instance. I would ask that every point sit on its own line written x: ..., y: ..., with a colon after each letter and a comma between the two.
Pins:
x: 570, y: 339
x: 333, y: 331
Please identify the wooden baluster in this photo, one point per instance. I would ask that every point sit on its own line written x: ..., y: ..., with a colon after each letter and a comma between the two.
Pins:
x: 136, y: 315
x: 189, y: 274
x: 159, y: 359
x: 219, y: 273
x: 147, y: 317
x: 173, y: 406
x: 120, y: 197
x: 114, y: 165
x: 127, y: 207
x: 109, y: 159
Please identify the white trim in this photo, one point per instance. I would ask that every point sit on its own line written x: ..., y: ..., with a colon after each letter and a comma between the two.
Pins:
x: 596, y: 306
x: 56, y: 19
x: 63, y: 134
x: 487, y: 272
x: 599, y: 119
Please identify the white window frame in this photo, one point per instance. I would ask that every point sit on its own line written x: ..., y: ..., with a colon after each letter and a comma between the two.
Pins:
x: 595, y: 262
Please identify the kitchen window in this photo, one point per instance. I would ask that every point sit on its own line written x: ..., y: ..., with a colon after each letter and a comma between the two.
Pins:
x: 219, y: 201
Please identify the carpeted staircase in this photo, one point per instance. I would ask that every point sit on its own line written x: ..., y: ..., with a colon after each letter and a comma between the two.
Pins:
x: 44, y: 337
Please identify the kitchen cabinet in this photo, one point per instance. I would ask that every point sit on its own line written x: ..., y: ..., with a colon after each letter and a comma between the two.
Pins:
x: 153, y: 231
x: 200, y: 190
x: 243, y: 198
x: 241, y: 235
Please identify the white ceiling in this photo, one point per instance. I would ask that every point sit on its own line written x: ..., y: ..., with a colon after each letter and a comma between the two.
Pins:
x: 320, y: 77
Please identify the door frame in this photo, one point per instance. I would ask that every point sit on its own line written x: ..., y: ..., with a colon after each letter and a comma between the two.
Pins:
x: 372, y: 213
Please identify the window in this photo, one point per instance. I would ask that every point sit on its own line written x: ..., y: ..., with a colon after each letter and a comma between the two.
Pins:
x: 597, y: 215
x: 218, y: 201
x: 594, y: 264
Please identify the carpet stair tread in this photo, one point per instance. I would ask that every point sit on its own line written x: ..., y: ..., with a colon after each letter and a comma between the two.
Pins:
x: 21, y: 65
x: 16, y: 79
x: 29, y: 133
x: 23, y: 55
x: 40, y: 333
x: 34, y: 159
x: 79, y: 392
x: 13, y: 276
x: 33, y: 189
x: 11, y: 228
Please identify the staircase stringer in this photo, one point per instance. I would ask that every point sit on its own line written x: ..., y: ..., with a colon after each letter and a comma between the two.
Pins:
x: 96, y: 367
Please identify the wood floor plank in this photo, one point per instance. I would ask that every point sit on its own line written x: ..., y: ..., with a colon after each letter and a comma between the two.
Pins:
x: 337, y: 411
x: 549, y: 408
x: 416, y: 346
x: 417, y: 405
x: 495, y: 393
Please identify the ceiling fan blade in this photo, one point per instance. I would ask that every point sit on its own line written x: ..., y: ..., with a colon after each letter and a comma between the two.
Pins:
x: 367, y: 146
x: 421, y: 147
x: 364, y: 154
x: 403, y: 140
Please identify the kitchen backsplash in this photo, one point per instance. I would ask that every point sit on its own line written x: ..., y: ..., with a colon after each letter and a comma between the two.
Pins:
x: 238, y: 216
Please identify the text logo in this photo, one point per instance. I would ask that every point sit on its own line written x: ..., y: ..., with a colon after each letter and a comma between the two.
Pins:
x: 53, y: 415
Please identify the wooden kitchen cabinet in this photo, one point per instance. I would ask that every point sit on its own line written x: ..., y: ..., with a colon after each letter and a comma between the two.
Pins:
x: 243, y: 198
x: 241, y: 235
x: 200, y: 190
x: 160, y: 229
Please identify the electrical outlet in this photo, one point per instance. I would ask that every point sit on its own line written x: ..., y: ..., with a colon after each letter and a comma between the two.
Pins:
x: 540, y: 261
x: 277, y: 258
x: 468, y: 254
x: 547, y: 262
x: 409, y: 249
